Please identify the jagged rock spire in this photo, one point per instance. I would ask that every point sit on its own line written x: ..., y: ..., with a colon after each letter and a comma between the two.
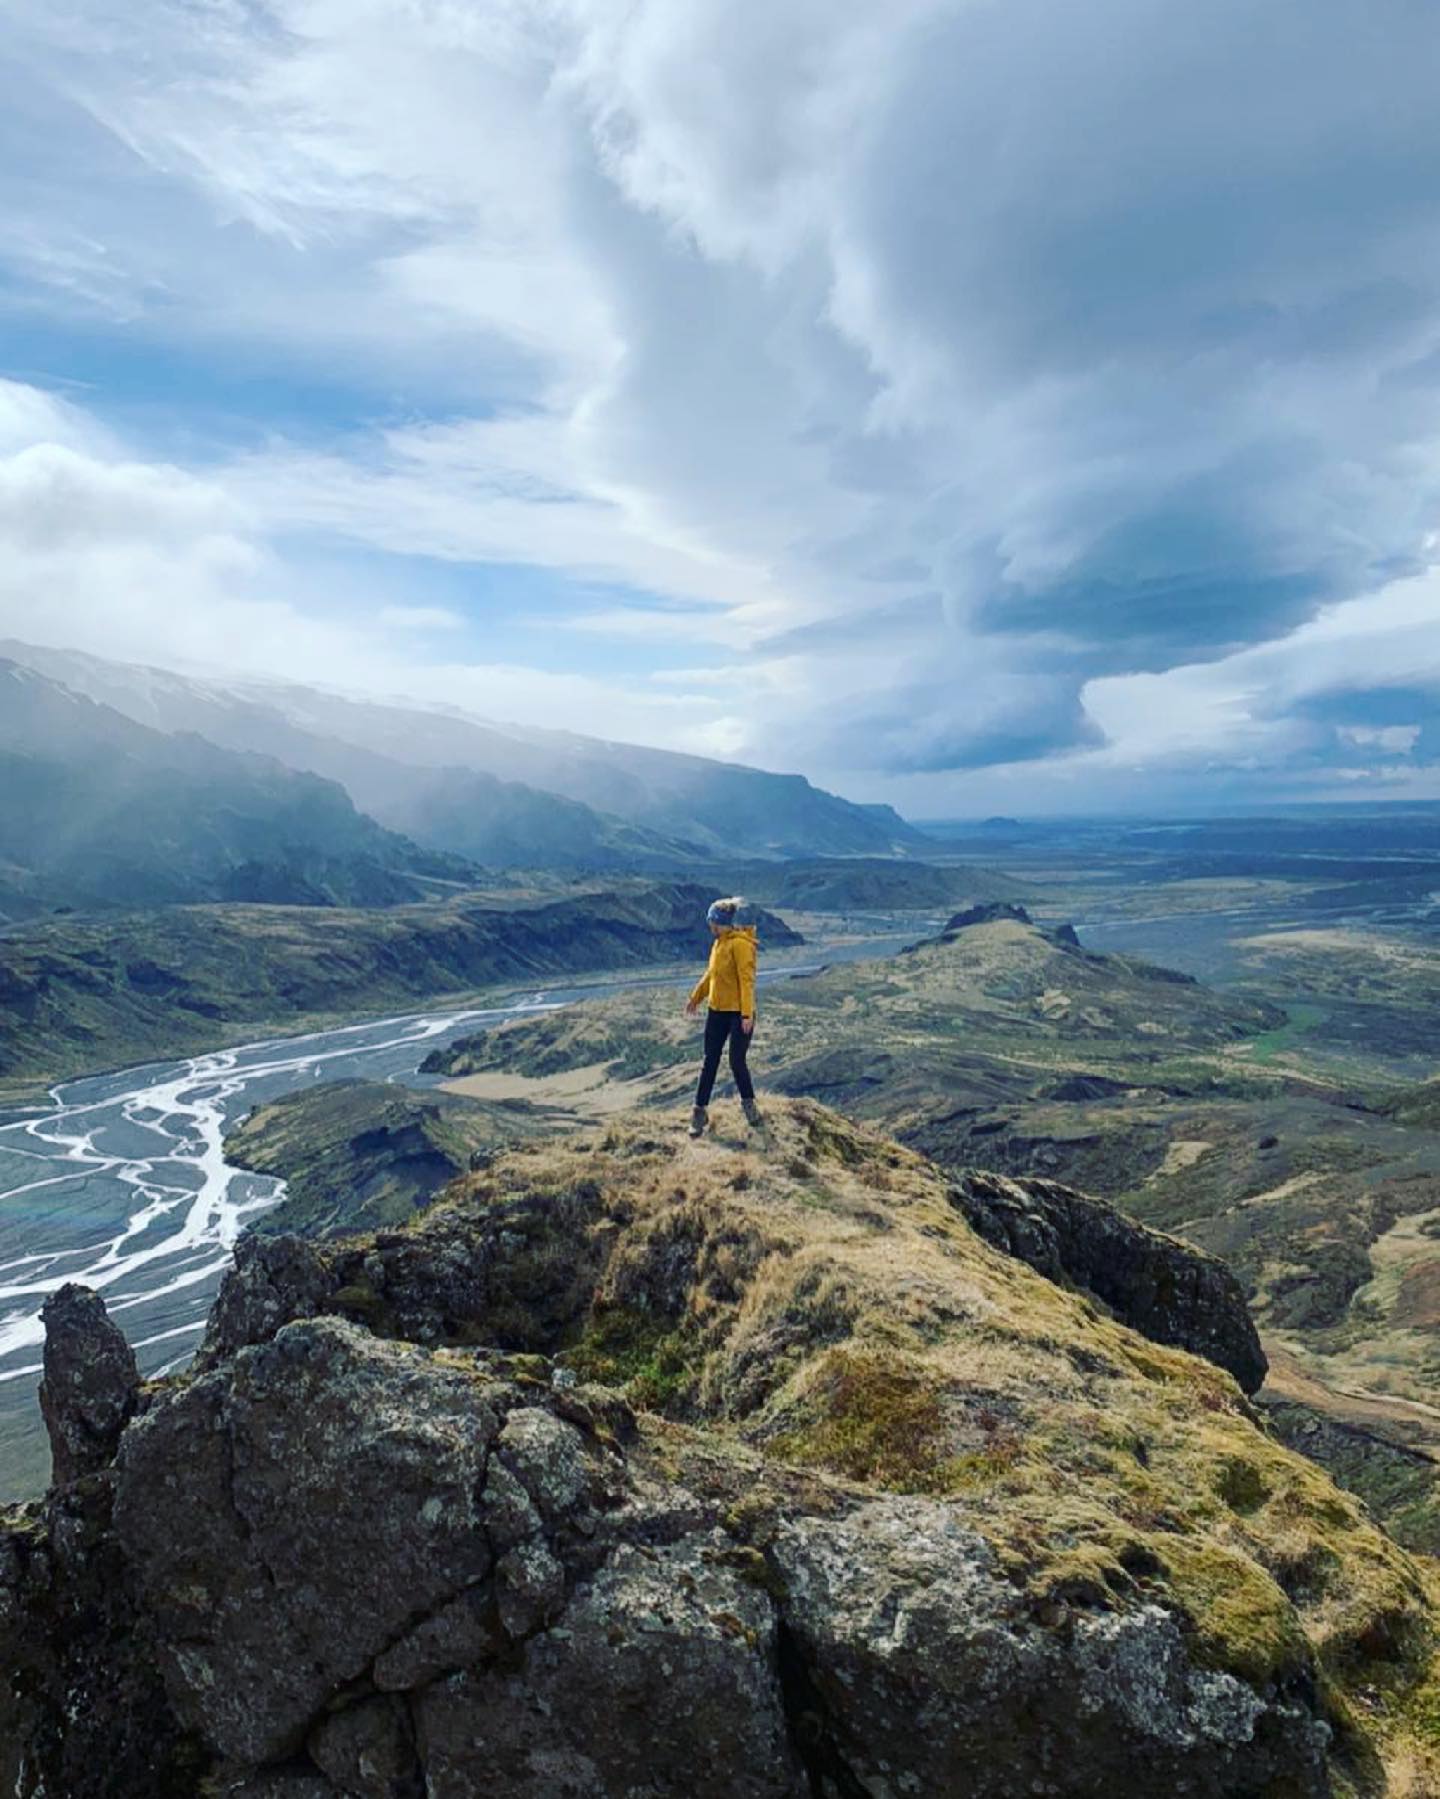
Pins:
x: 90, y: 1382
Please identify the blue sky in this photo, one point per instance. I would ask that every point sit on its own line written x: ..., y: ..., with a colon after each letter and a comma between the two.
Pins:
x: 980, y: 407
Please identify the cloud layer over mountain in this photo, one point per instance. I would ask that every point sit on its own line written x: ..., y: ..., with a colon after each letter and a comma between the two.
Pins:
x: 974, y: 404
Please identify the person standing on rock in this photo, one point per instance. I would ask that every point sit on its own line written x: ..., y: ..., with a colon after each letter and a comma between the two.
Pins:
x: 728, y: 984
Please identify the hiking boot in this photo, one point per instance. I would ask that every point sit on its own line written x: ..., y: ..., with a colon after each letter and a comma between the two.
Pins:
x: 752, y: 1112
x: 699, y: 1120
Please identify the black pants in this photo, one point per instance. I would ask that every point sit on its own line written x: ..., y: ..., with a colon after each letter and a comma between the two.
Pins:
x: 720, y: 1027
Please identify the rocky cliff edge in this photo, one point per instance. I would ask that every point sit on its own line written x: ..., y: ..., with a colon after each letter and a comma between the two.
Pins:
x: 642, y: 1468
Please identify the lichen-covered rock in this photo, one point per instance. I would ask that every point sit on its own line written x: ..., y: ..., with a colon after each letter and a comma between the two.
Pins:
x: 529, y: 1588
x: 1167, y: 1290
x: 83, y: 1712
x: 898, y: 1600
x: 279, y: 1785
x: 660, y: 1678
x: 546, y: 1456
x: 289, y: 1518
x: 459, y: 1634
x: 89, y: 1385
x: 515, y: 1277
x: 273, y: 1281
x: 366, y: 1749
x: 361, y: 1512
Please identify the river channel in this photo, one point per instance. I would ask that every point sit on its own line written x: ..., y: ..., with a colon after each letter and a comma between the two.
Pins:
x: 122, y: 1183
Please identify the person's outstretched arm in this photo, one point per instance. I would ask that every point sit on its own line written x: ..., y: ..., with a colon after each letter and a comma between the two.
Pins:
x: 745, y: 968
x: 699, y: 993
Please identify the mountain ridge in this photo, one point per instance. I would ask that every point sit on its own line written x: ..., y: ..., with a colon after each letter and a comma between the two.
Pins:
x: 97, y: 809
x: 80, y: 994
x: 702, y: 805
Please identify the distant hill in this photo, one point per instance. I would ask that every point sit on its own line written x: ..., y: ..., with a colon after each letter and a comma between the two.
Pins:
x: 97, y: 810
x: 984, y: 1012
x: 686, y: 807
x: 81, y: 994
x: 357, y: 1155
x: 866, y: 884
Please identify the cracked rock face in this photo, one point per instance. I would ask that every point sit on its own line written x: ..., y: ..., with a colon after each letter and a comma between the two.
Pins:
x: 658, y: 1678
x: 1165, y: 1289
x: 370, y: 1517
x: 330, y: 1486
x: 898, y: 1600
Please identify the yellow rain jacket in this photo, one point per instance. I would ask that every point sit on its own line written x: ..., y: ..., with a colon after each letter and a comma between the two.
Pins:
x: 729, y: 982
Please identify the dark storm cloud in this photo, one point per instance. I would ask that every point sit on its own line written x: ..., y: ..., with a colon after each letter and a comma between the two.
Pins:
x: 1379, y: 724
x: 1114, y: 324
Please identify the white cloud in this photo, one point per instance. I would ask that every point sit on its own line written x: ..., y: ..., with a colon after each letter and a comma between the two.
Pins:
x: 507, y: 490
x: 147, y: 563
x: 1395, y: 740
x: 30, y: 418
x: 419, y: 618
x: 970, y: 381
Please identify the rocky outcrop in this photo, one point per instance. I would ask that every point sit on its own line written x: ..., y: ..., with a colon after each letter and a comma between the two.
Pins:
x: 1161, y: 1287
x: 89, y: 1386
x: 388, y: 1571
x: 896, y: 1603
x: 1007, y: 912
x: 862, y: 1508
x: 987, y: 912
x: 357, y: 1155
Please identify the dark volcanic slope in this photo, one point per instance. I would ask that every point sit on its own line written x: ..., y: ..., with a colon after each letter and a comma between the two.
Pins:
x: 82, y: 994
x: 356, y: 1155
x: 505, y: 824
x: 96, y: 810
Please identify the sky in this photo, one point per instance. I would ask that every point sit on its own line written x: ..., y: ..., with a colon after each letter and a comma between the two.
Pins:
x: 980, y: 405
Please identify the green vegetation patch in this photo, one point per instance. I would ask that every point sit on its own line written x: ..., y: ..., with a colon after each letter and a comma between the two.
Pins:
x: 874, y: 1419
x: 1302, y: 1019
x: 1242, y: 1619
x: 655, y: 1364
